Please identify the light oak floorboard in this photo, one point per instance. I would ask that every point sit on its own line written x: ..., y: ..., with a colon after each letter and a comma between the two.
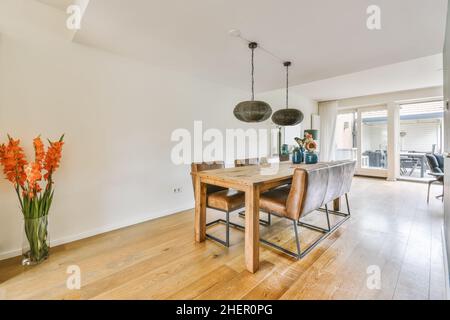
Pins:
x: 392, y: 228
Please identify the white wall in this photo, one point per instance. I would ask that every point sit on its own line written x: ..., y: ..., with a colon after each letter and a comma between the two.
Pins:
x: 118, y: 116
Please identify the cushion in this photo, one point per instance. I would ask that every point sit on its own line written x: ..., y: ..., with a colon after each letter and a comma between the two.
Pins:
x: 226, y: 200
x: 440, y: 160
x: 433, y: 163
x: 274, y: 201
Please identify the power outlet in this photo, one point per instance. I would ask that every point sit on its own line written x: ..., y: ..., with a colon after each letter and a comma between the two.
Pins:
x: 177, y: 190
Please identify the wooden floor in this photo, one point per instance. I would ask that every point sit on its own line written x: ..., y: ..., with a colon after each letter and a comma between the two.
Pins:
x: 391, y: 227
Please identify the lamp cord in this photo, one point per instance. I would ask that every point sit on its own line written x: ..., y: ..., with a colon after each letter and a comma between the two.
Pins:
x: 287, y: 87
x: 253, y: 74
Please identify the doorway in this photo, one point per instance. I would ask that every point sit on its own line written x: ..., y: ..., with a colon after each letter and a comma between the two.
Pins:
x: 421, y: 132
x: 362, y: 135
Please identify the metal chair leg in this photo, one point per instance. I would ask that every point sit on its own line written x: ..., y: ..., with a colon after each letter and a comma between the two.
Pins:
x: 328, y: 217
x: 348, y: 205
x: 228, y: 224
x: 297, y: 240
x: 316, y: 228
x: 325, y: 232
x: 228, y: 229
x: 428, y: 194
x: 261, y: 221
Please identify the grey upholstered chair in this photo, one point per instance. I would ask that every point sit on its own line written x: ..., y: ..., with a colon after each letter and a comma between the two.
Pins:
x: 310, y: 190
x: 436, y: 164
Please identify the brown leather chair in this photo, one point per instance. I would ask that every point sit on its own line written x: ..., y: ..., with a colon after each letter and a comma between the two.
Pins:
x: 311, y: 189
x: 221, y: 199
x: 252, y: 162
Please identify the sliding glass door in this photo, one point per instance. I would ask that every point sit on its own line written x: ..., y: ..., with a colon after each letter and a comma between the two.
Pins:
x: 421, y: 132
x: 362, y: 135
x: 346, y: 142
x: 374, y: 139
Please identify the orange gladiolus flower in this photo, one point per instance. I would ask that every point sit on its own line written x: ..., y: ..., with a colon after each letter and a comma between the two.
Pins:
x: 38, y: 150
x: 53, y: 158
x: 13, y: 160
x: 33, y: 173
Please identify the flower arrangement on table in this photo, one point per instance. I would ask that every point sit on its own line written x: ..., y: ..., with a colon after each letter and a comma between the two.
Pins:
x: 310, y: 145
x: 33, y: 183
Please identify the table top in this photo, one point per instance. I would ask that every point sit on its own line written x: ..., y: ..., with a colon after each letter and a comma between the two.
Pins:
x: 417, y: 154
x: 258, y: 174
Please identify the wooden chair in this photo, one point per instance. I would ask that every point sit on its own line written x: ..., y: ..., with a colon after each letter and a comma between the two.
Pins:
x: 221, y: 199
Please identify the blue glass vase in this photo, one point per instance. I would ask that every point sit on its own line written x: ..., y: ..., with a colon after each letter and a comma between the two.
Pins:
x: 311, y: 157
x: 285, y: 150
x: 297, y: 156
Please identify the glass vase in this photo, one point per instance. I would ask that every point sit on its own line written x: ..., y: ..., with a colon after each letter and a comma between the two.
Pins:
x: 36, y: 243
x: 297, y: 156
x: 311, y: 157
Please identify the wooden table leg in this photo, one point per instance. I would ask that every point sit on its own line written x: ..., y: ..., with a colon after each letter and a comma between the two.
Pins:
x: 200, y: 210
x: 337, y: 204
x: 252, y: 229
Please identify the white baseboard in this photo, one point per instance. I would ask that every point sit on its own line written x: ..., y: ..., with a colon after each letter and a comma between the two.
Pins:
x: 96, y: 231
x: 446, y: 270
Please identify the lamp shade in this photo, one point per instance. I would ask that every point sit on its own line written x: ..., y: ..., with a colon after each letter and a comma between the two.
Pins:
x: 252, y: 111
x: 287, y: 117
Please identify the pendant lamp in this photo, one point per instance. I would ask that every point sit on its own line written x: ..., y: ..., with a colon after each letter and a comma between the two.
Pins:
x: 287, y: 117
x: 252, y: 111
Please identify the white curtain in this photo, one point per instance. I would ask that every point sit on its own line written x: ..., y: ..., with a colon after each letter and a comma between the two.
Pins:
x: 328, y: 114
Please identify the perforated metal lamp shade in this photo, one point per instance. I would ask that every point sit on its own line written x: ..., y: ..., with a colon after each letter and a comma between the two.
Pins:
x: 252, y: 111
x: 287, y: 117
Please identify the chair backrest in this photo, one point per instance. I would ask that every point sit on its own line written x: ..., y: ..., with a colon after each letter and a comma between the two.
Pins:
x: 349, y: 172
x: 197, y: 167
x: 246, y: 162
x: 335, y: 182
x: 433, y: 163
x: 308, y: 190
x: 440, y: 160
x: 317, y: 186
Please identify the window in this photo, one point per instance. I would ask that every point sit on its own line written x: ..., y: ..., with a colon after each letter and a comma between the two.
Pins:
x: 421, y: 132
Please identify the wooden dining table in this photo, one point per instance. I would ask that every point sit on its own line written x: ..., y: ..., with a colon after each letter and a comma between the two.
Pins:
x: 249, y: 179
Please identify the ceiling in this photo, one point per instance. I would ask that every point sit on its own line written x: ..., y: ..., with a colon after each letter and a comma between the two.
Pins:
x: 323, y: 38
x: 59, y: 4
x: 413, y: 74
